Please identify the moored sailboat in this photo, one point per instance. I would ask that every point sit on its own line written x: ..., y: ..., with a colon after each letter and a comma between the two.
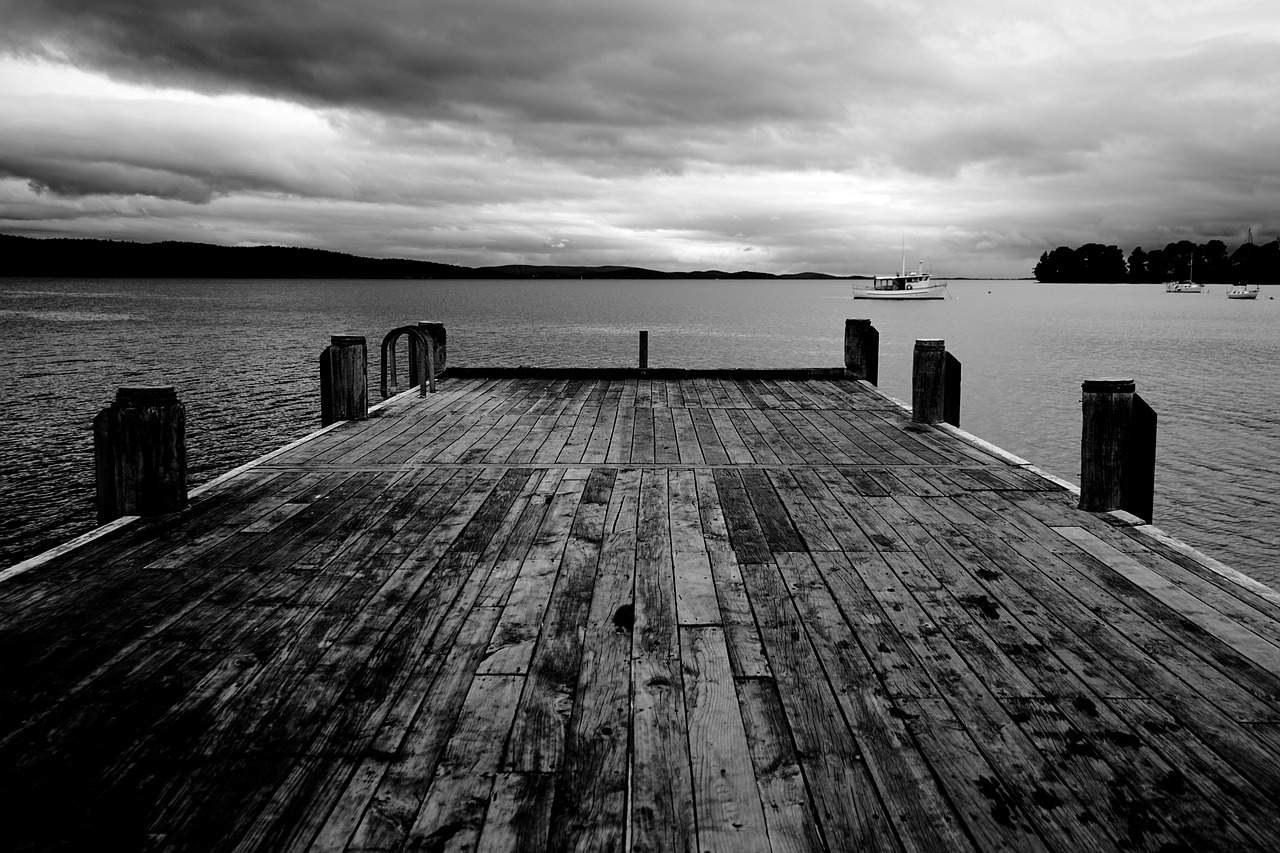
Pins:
x: 1241, y: 290
x: 1187, y: 285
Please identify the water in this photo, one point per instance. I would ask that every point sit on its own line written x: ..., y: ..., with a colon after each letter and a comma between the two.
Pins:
x: 243, y: 357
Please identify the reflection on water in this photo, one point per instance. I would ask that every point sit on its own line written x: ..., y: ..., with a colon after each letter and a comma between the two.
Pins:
x: 243, y: 356
x: 70, y: 316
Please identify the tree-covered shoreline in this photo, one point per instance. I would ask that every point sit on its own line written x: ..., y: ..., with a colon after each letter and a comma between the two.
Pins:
x: 1093, y: 262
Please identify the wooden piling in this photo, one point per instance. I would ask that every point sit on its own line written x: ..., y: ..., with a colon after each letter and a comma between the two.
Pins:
x: 862, y: 349
x: 928, y: 381
x: 1117, y: 448
x: 344, y: 380
x: 435, y: 332
x: 140, y: 453
x: 644, y: 350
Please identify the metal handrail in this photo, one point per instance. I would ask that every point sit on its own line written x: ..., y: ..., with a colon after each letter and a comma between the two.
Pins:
x: 427, y: 355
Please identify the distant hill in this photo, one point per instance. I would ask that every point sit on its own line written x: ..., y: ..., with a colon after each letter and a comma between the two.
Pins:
x: 77, y: 258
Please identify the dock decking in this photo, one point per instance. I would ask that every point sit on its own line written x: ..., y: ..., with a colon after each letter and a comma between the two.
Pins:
x: 739, y: 612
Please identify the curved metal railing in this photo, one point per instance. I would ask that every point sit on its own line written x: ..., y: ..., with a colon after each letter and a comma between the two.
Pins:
x: 426, y: 355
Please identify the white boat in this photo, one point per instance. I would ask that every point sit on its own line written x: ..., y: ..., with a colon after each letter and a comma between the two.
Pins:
x: 1242, y: 290
x: 1188, y: 285
x: 904, y: 285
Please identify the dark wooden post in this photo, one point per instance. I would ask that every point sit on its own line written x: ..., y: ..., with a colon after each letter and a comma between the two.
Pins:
x: 344, y: 380
x: 435, y: 332
x: 928, y: 381
x: 140, y: 453
x: 1117, y: 448
x: 644, y: 350
x: 862, y: 350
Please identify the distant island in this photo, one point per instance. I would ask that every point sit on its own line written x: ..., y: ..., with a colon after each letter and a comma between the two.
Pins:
x: 57, y: 257
x: 1209, y: 262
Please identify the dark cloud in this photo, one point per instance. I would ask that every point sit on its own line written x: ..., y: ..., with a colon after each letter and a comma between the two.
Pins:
x: 615, y: 84
x: 487, y: 131
x: 579, y: 62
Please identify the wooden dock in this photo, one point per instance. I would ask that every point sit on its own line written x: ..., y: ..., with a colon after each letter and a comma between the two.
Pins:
x: 736, y: 611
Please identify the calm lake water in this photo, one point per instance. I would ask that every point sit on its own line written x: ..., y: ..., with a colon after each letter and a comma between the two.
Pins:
x: 243, y: 357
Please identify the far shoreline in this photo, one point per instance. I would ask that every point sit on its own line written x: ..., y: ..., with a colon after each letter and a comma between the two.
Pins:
x: 64, y: 257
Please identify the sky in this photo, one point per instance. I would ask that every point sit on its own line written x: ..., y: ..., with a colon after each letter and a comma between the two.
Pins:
x: 781, y: 136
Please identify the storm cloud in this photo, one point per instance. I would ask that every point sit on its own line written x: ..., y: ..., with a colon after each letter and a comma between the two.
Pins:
x: 805, y: 135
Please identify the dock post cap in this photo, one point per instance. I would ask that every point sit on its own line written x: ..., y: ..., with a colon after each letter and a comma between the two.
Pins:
x: 146, y: 395
x: 346, y: 340
x: 860, y: 321
x: 930, y: 343
x: 1108, y: 385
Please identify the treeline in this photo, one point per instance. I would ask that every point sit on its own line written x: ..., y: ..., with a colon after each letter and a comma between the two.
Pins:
x: 1208, y: 262
x: 62, y: 257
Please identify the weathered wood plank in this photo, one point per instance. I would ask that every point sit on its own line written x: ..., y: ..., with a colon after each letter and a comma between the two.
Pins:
x: 1141, y: 655
x: 590, y: 808
x: 730, y: 816
x: 666, y: 448
x: 411, y: 759
x: 539, y: 733
x: 525, y: 606
x: 746, y: 654
x: 662, y: 816
x: 686, y: 435
x: 710, y: 446
x: 643, y: 441
x: 805, y: 518
x: 520, y: 528
x: 761, y: 450
x: 519, y: 815
x: 696, y: 600
x: 1258, y: 649
x: 918, y: 808
x: 790, y: 821
x: 735, y: 447
x: 453, y: 812
x: 745, y: 534
x: 780, y: 534
x: 992, y: 813
x: 844, y: 793
x: 844, y: 530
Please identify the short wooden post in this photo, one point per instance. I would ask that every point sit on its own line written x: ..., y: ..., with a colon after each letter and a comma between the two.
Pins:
x: 928, y: 381
x: 644, y: 350
x: 344, y: 380
x: 1117, y: 448
x: 862, y: 350
x: 435, y: 332
x: 140, y: 453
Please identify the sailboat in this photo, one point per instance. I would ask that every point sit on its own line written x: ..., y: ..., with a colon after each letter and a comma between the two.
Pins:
x: 1188, y: 285
x: 917, y: 284
x: 1242, y: 290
